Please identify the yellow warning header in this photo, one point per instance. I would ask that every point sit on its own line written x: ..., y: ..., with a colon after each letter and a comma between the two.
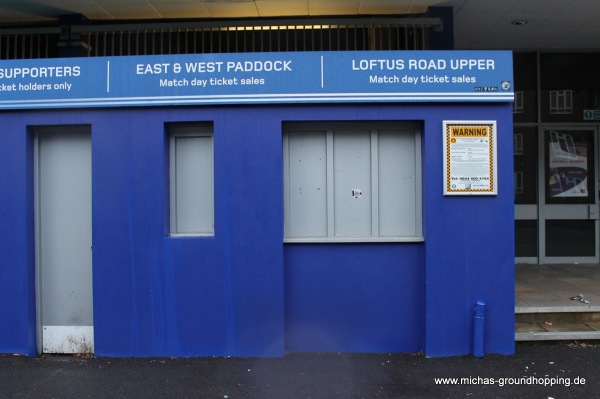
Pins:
x: 470, y: 131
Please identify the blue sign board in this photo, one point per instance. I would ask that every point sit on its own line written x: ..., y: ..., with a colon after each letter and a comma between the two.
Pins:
x: 251, y: 78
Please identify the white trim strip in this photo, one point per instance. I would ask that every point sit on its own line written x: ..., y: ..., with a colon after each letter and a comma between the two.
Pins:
x: 232, y: 100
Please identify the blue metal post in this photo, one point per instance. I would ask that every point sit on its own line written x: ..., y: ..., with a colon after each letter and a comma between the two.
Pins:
x: 478, y: 329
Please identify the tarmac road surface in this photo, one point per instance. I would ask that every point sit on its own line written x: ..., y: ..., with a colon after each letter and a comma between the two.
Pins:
x: 551, y: 370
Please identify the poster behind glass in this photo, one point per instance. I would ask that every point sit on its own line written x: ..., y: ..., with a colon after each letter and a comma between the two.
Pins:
x: 569, y: 167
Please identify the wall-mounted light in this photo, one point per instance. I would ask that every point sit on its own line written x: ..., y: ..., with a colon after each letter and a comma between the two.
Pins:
x: 278, y: 27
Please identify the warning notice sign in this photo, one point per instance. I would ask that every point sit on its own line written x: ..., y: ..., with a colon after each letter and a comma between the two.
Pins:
x: 470, y: 158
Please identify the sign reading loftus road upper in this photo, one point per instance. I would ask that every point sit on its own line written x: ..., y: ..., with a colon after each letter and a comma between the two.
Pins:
x: 302, y: 77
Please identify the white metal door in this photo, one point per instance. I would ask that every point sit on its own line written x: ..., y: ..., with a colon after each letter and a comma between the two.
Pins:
x: 64, y: 239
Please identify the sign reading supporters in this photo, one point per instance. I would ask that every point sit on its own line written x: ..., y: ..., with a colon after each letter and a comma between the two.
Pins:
x: 258, y: 78
x: 470, y: 158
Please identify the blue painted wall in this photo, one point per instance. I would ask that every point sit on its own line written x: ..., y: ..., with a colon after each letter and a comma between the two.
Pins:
x: 469, y: 246
x: 243, y: 292
x: 354, y: 298
x: 17, y: 250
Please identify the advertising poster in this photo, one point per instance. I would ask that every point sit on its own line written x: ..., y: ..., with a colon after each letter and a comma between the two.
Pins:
x: 470, y: 158
x: 568, y: 163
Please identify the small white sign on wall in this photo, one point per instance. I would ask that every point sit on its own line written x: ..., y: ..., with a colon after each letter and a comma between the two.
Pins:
x: 470, y: 158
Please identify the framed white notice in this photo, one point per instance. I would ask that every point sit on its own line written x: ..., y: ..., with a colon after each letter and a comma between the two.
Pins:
x: 470, y: 158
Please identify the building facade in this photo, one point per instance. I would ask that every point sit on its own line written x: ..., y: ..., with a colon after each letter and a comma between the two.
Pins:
x: 556, y: 150
x: 150, y: 221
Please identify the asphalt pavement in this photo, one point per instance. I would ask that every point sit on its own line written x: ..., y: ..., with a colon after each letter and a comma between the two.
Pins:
x: 549, y: 370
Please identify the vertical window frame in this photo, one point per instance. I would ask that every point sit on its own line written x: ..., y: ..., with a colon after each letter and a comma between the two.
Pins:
x: 561, y: 102
x: 518, y: 144
x: 518, y: 103
x: 519, y: 185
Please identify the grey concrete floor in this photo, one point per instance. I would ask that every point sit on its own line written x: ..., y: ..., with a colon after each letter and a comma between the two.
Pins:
x: 543, y: 288
x: 544, y: 304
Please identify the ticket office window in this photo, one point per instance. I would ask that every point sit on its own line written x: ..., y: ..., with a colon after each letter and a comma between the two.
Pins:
x: 352, y: 182
x: 191, y: 180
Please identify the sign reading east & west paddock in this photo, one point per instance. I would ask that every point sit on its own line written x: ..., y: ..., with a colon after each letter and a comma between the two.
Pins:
x: 470, y: 158
x: 252, y: 78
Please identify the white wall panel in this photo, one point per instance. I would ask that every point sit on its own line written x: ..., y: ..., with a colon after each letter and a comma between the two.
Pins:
x: 396, y: 183
x: 192, y: 180
x: 352, y: 183
x: 308, y: 184
x: 194, y: 184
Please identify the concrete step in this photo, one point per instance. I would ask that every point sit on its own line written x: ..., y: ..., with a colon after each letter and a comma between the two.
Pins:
x: 553, y: 317
x: 554, y: 326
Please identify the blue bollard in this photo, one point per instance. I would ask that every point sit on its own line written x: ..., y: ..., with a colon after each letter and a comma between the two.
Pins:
x: 478, y: 329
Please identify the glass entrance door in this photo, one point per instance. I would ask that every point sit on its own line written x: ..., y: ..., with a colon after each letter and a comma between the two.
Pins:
x: 570, y: 197
x: 556, y: 195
